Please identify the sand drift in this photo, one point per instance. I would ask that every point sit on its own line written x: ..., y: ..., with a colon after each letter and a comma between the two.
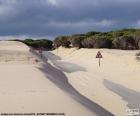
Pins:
x: 114, y: 85
x: 27, y: 86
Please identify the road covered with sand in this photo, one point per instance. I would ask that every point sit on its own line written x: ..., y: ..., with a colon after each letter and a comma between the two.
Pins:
x: 29, y: 84
x: 115, y: 85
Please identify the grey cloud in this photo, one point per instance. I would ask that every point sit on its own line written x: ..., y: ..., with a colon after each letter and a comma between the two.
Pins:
x: 40, y: 18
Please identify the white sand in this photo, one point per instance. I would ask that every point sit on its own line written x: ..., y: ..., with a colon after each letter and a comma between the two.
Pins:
x: 115, y: 85
x: 25, y: 88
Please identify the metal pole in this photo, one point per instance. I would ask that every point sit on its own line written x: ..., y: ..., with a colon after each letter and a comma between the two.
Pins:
x: 99, y: 62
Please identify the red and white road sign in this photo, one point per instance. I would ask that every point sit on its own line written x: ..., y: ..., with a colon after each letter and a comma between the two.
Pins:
x: 99, y: 55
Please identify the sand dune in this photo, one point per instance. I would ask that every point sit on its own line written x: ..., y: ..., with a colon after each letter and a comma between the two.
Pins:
x: 14, y: 52
x: 68, y: 81
x: 114, y: 85
x: 27, y: 86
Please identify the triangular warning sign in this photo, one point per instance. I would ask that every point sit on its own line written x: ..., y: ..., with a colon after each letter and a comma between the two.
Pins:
x: 99, y: 55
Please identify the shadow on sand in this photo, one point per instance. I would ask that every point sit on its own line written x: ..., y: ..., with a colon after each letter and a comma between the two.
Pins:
x: 52, y: 56
x: 130, y: 96
x: 60, y: 80
x: 63, y: 66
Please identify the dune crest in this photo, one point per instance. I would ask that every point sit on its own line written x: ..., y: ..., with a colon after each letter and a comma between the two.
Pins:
x: 15, y: 52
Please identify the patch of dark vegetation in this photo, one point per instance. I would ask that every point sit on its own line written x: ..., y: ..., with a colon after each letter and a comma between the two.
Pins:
x: 126, y: 39
x: 42, y: 44
x: 63, y: 41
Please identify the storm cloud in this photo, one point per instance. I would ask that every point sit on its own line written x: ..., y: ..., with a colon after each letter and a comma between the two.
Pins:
x: 50, y: 18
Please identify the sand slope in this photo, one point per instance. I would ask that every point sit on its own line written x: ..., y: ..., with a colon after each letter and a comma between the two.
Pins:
x: 115, y: 85
x: 24, y: 87
x: 27, y: 86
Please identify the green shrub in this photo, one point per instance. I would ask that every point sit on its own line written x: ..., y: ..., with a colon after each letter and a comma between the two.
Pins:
x: 62, y: 41
x: 39, y: 44
x: 120, y: 39
x: 125, y: 43
x: 76, y: 41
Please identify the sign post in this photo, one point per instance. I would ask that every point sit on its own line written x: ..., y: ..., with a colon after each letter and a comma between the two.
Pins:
x: 99, y: 55
x: 99, y: 62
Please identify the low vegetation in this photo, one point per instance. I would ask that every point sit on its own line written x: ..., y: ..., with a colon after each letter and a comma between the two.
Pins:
x: 126, y: 39
x: 43, y: 44
x: 39, y: 44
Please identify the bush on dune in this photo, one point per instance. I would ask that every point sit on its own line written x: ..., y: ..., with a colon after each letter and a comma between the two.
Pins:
x: 126, y: 39
x: 76, y: 41
x: 137, y: 41
x: 61, y: 41
x: 39, y: 44
x: 88, y: 43
x: 125, y: 43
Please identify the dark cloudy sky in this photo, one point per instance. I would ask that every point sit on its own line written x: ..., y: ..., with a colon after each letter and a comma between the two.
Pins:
x: 49, y: 18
